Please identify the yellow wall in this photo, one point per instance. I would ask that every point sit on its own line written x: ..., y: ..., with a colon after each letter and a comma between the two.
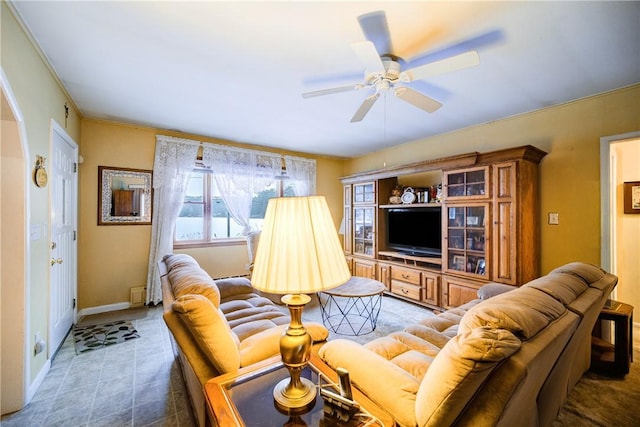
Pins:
x: 40, y: 99
x: 569, y: 174
x: 113, y: 258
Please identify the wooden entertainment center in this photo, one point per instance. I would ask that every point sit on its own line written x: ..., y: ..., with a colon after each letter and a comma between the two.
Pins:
x: 490, y: 225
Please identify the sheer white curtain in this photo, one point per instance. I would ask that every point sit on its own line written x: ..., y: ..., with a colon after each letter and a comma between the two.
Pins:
x: 174, y: 161
x: 303, y: 175
x: 240, y: 174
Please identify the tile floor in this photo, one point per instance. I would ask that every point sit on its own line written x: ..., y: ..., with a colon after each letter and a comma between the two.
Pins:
x: 136, y: 383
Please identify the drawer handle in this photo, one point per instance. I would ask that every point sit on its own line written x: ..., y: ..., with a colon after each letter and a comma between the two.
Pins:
x: 405, y: 276
x: 404, y: 291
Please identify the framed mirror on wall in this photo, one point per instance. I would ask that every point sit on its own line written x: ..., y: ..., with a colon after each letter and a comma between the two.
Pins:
x: 125, y: 196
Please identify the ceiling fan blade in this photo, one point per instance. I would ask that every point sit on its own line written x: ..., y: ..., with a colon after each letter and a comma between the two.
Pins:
x: 368, y: 56
x: 417, y: 99
x: 330, y: 91
x: 473, y: 43
x: 458, y: 62
x: 375, y: 29
x: 365, y: 107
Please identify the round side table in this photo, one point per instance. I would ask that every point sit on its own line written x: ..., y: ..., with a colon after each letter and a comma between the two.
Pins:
x: 352, y: 308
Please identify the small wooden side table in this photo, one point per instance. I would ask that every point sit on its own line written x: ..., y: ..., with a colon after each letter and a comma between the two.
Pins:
x: 614, y: 358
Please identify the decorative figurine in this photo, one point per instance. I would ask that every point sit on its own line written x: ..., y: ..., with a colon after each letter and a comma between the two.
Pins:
x: 395, y: 198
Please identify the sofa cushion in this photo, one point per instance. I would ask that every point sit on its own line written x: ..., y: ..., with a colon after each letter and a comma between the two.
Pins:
x: 173, y: 260
x: 406, y: 351
x: 232, y: 287
x: 458, y: 371
x: 188, y: 279
x: 524, y: 312
x: 562, y: 287
x: 588, y: 272
x: 210, y: 330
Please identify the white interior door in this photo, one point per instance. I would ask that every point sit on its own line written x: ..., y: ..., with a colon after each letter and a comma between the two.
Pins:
x: 64, y: 213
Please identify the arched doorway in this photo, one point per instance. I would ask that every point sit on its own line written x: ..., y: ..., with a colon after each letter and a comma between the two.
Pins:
x: 13, y: 253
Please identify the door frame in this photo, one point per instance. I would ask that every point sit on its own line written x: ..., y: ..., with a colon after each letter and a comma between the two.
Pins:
x: 608, y: 202
x: 22, y: 309
x: 56, y: 129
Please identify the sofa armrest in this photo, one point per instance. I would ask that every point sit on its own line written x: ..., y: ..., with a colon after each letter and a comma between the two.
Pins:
x: 388, y: 385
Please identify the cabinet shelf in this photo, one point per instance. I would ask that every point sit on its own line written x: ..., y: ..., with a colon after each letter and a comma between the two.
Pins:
x: 409, y: 259
x: 409, y: 205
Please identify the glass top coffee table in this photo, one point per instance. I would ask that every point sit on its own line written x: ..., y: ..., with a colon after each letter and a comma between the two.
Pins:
x: 352, y: 308
x: 246, y: 399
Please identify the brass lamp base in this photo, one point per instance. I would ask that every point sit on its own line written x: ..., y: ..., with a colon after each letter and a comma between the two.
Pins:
x: 295, y: 394
x: 294, y: 405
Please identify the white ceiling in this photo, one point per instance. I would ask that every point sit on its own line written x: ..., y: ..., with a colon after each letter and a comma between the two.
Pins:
x: 236, y: 70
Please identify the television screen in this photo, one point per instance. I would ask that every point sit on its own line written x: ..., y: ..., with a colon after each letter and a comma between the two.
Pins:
x: 415, y: 231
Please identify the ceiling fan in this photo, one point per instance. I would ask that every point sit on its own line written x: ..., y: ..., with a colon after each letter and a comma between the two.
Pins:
x: 385, y: 71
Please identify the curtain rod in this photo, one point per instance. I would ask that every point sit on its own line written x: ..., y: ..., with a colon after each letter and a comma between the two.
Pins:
x: 226, y: 147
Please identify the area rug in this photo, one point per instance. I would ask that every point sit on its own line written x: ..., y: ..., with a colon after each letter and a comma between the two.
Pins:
x: 92, y: 337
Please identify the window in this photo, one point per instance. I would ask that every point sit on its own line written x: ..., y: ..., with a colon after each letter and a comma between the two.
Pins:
x: 205, y: 218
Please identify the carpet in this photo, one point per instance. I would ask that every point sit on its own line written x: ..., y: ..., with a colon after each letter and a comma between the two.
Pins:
x: 92, y: 337
x: 596, y: 401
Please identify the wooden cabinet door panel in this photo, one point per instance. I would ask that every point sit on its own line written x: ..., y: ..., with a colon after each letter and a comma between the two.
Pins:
x: 362, y: 268
x: 384, y: 275
x: 504, y: 251
x: 457, y: 291
x: 505, y: 226
x: 431, y: 288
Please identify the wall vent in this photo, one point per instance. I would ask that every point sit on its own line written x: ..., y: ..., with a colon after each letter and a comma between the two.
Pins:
x: 138, y: 296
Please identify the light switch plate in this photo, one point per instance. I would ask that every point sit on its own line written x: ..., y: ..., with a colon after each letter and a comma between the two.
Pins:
x: 554, y: 218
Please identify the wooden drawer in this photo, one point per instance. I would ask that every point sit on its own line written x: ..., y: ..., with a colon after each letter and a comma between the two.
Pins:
x: 405, y: 275
x: 406, y: 290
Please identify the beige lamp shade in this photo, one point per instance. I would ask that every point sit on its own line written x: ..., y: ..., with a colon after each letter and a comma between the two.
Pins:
x: 299, y: 250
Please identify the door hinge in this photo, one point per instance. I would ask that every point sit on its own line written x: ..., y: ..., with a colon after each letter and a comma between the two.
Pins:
x: 74, y: 303
x: 75, y: 235
x: 75, y: 167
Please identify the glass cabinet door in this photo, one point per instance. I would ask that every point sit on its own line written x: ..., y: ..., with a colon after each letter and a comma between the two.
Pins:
x: 467, y: 184
x: 364, y: 193
x: 363, y: 231
x: 466, y: 237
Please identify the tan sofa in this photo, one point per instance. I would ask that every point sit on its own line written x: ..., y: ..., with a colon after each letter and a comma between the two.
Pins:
x: 508, y: 359
x: 218, y: 326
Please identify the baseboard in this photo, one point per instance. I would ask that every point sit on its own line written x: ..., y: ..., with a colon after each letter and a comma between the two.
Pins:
x: 37, y: 382
x: 104, y: 308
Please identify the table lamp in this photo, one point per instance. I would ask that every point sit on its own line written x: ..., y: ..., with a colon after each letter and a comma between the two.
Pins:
x: 299, y: 253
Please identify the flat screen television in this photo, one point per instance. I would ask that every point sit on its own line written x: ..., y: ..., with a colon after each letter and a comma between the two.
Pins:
x: 415, y: 231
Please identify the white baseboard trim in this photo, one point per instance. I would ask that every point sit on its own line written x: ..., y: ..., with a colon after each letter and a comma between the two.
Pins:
x: 104, y: 308
x: 37, y: 382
